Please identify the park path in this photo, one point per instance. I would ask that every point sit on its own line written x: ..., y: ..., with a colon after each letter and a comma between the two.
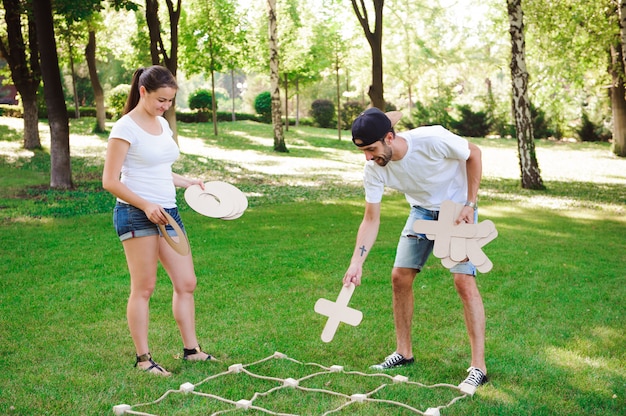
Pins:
x: 587, y: 164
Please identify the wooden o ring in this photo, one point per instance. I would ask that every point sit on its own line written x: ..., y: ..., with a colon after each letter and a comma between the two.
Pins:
x: 182, y: 246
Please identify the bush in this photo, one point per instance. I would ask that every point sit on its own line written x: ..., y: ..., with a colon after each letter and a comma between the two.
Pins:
x: 116, y: 99
x: 323, y: 112
x: 263, y: 106
x: 201, y: 100
x: 351, y: 110
x: 9, y: 110
x: 471, y: 123
x: 591, y: 132
x: 541, y: 123
x: 434, y: 113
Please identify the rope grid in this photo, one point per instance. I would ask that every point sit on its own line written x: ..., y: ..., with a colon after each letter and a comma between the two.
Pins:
x: 189, y: 388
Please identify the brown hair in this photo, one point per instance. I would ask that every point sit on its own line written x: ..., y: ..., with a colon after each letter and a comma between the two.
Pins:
x: 151, y: 78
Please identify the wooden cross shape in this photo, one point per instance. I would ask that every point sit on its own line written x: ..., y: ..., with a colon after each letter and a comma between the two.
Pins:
x: 455, y: 243
x: 338, y: 312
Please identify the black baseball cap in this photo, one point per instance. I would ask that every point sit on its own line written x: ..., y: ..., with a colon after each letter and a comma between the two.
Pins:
x: 372, y: 125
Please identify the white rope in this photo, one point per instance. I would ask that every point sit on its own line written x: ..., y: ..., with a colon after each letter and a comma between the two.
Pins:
x: 189, y: 388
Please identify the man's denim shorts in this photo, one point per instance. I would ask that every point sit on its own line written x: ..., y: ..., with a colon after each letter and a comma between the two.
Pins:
x: 130, y: 221
x: 414, y: 249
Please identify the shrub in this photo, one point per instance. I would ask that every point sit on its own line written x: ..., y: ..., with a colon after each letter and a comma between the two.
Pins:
x: 590, y: 131
x: 201, y: 100
x: 263, y: 106
x: 9, y: 110
x: 323, y: 112
x: 434, y: 113
x: 350, y: 111
x: 541, y: 123
x: 471, y: 123
x: 116, y: 99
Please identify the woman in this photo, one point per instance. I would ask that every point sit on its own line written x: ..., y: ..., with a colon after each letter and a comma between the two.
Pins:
x: 138, y: 171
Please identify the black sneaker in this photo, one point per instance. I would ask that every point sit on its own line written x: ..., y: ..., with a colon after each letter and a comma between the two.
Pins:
x: 474, y: 379
x: 393, y: 361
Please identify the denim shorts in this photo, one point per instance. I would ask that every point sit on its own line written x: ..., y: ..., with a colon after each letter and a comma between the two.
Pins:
x: 414, y: 249
x: 130, y: 221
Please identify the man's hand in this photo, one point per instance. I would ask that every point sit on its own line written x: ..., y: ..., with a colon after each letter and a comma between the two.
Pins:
x: 353, y: 275
x: 466, y: 216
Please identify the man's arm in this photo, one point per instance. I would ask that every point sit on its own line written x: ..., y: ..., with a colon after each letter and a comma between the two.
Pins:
x: 366, y: 236
x: 474, y: 167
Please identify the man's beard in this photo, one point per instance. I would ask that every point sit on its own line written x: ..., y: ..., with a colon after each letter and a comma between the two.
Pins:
x: 385, y: 157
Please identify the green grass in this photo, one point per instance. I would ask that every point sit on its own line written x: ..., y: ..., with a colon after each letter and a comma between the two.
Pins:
x: 555, y: 299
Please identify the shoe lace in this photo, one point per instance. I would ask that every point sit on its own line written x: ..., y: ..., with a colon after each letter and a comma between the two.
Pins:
x: 393, y: 359
x: 475, y: 377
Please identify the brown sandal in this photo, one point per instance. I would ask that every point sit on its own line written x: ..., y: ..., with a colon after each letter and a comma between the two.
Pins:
x: 160, y: 371
x: 192, y: 351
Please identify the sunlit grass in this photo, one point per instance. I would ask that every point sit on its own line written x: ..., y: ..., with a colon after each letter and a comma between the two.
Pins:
x: 554, y: 300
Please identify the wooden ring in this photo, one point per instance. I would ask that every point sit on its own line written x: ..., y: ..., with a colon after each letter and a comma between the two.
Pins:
x: 182, y: 246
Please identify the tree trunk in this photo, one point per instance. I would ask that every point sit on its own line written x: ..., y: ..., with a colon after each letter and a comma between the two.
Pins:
x: 98, y: 92
x: 375, y: 39
x: 286, y: 102
x: 25, y: 79
x: 618, y: 102
x: 31, y: 119
x: 622, y: 29
x: 531, y: 178
x: 232, y: 93
x: 73, y: 73
x: 158, y: 53
x: 171, y: 62
x: 213, y: 103
x: 60, y: 168
x: 338, y: 87
x: 279, y: 139
x: 297, y: 102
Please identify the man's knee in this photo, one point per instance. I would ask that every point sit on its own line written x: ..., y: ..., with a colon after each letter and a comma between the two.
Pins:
x: 465, y: 285
x: 402, y: 278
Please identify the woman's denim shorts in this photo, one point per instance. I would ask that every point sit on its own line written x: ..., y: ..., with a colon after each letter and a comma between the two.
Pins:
x: 130, y: 221
x: 414, y: 249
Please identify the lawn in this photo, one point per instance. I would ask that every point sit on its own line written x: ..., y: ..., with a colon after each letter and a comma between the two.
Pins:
x: 554, y: 300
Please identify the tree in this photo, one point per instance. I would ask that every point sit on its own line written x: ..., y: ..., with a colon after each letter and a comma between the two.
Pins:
x: 158, y: 52
x: 24, y: 66
x: 211, y: 40
x: 279, y: 139
x: 375, y: 40
x: 60, y: 167
x: 617, y: 69
x: 98, y: 91
x: 531, y: 178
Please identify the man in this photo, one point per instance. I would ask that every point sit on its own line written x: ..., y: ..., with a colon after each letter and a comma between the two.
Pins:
x: 429, y: 165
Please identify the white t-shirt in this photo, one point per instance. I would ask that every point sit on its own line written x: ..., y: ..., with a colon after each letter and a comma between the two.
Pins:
x: 147, y: 169
x: 432, y: 171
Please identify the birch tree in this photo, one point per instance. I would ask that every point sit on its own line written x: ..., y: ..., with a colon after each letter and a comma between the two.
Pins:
x: 530, y: 176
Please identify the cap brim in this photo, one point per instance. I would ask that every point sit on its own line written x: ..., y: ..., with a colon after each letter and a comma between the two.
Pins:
x: 394, y: 116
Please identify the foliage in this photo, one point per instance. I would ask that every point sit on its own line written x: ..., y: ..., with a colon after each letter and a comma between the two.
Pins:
x: 436, y: 112
x: 471, y: 123
x: 541, y: 123
x: 116, y: 99
x: 350, y: 111
x: 201, y: 100
x: 263, y: 106
x: 590, y: 131
x: 323, y: 112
